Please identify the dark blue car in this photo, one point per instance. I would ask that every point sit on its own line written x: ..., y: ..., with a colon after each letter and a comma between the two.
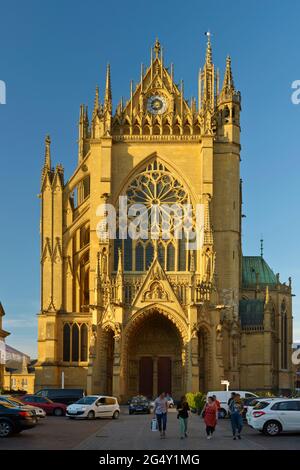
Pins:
x: 140, y: 404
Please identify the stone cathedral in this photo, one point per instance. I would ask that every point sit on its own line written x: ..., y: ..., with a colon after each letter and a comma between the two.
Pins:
x: 128, y: 316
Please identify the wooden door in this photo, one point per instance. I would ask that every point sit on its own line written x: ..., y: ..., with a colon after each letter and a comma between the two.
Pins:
x: 164, y: 375
x: 146, y: 376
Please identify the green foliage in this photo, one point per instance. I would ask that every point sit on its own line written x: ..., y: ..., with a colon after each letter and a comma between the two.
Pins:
x: 190, y: 397
x: 196, y: 400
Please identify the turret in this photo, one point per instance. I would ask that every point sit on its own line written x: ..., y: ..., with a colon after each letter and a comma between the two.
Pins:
x: 229, y: 105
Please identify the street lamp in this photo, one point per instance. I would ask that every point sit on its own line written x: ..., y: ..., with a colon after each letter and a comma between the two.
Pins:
x: 227, y: 383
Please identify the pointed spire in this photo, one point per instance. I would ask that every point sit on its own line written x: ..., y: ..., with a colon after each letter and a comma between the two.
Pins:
x: 86, y: 122
x: 261, y: 247
x: 96, y: 102
x: 157, y: 48
x: 228, y: 84
x: 120, y: 262
x: 142, y: 77
x: 108, y: 95
x: 208, y: 234
x: 47, y: 164
x: 208, y: 57
x: 192, y: 261
x: 206, y: 83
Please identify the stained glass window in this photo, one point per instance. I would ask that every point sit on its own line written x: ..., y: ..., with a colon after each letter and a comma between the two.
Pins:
x: 139, y: 257
x: 149, y: 254
x: 75, y: 342
x: 66, y: 342
x: 164, y: 198
x: 170, y: 257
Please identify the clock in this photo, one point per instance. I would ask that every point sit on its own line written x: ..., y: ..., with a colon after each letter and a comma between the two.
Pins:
x: 157, y: 104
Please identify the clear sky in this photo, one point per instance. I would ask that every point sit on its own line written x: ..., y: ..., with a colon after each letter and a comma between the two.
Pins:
x: 53, y: 53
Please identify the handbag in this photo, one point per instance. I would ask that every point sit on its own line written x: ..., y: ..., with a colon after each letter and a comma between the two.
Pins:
x: 154, y: 426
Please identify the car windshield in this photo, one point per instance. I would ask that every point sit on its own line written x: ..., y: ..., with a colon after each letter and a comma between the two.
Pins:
x: 139, y: 400
x: 11, y: 402
x: 86, y: 401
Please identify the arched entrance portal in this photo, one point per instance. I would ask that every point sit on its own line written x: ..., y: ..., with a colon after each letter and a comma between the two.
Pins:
x: 155, y: 357
x: 203, y: 359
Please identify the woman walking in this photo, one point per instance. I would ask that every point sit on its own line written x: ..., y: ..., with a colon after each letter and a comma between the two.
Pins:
x: 160, y: 410
x: 210, y: 416
x: 236, y: 416
x: 183, y: 414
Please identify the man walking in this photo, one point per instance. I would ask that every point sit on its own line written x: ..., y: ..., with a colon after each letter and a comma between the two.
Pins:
x: 236, y: 411
x: 161, y: 410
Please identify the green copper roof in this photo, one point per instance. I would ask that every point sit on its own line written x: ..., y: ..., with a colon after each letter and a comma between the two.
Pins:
x: 253, y: 265
x: 251, y: 312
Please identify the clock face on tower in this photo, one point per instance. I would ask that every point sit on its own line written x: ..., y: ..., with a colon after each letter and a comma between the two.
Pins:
x: 157, y: 104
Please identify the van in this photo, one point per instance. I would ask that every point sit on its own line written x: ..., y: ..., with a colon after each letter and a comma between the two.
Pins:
x: 223, y: 397
x: 61, y: 395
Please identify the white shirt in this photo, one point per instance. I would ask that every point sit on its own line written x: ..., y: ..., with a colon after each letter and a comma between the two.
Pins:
x: 161, y: 405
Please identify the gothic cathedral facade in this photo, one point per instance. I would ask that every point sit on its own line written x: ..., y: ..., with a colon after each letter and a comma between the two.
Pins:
x: 127, y: 316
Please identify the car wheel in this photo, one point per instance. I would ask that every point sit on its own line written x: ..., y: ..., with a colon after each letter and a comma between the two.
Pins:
x: 272, y: 428
x: 6, y: 429
x: 222, y: 413
x: 58, y: 412
x: 130, y: 412
x: 91, y: 415
x: 115, y: 415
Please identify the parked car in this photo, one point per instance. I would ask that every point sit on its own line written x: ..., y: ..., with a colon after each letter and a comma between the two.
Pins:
x: 94, y: 406
x: 274, y: 416
x: 170, y: 401
x: 16, y: 402
x: 14, y: 420
x: 140, y: 404
x: 223, y: 397
x: 51, y: 408
x: 61, y: 395
x: 250, y: 403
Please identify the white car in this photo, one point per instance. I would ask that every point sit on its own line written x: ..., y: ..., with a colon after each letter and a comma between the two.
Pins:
x: 94, y: 406
x: 223, y: 397
x: 275, y: 416
x: 253, y: 404
x: 170, y: 401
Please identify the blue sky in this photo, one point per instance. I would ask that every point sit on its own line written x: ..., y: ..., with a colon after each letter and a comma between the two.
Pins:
x: 53, y: 53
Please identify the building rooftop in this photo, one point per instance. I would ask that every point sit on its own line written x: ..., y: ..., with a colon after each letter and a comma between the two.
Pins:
x: 255, y: 270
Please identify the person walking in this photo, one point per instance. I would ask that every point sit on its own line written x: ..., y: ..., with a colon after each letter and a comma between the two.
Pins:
x: 217, y: 402
x: 233, y: 394
x: 183, y: 415
x: 210, y: 416
x: 236, y: 416
x: 161, y: 411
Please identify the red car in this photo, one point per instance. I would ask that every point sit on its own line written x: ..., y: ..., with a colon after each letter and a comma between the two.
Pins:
x: 50, y: 407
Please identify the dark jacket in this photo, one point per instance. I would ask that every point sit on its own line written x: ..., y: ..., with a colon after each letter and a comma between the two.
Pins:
x: 183, y: 409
